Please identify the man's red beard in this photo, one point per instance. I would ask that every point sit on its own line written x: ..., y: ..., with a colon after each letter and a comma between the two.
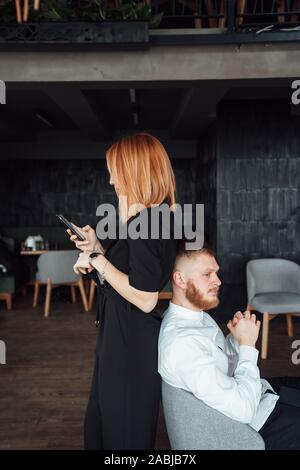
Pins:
x: 199, y: 300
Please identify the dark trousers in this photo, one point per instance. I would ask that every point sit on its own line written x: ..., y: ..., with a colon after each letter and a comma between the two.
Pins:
x: 108, y: 423
x: 93, y: 439
x: 281, y: 431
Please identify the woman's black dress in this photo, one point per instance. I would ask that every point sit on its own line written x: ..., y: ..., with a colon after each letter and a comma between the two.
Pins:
x: 123, y: 407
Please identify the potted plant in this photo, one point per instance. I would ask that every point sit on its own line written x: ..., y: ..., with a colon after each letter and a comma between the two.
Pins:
x: 82, y: 22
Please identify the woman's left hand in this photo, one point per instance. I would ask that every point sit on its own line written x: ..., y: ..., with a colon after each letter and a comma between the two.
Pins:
x: 82, y: 265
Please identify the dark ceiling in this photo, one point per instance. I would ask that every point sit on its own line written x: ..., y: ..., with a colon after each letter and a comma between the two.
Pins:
x: 179, y: 109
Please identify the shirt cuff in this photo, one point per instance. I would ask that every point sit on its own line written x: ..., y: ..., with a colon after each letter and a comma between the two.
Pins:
x: 248, y: 353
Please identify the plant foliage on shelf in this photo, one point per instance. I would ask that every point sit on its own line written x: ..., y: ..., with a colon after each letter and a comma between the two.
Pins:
x: 91, y: 10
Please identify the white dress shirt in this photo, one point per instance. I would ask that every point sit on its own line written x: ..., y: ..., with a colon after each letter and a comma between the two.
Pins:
x: 194, y: 355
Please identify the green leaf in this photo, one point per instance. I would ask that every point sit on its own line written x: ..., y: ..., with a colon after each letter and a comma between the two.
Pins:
x: 143, y: 11
x: 94, y: 10
x: 155, y: 20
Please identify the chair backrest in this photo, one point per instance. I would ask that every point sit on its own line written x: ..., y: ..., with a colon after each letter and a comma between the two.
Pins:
x: 269, y: 275
x: 192, y: 425
x: 58, y: 265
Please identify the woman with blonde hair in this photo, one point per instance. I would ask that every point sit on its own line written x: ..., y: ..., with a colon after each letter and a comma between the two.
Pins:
x: 123, y: 407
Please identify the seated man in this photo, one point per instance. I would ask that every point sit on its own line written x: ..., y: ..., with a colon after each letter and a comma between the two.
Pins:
x: 195, y: 356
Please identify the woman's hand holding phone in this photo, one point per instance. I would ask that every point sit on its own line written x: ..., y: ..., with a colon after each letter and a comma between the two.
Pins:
x: 91, y: 242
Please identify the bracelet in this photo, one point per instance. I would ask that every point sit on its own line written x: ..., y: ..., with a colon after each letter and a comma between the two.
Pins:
x: 95, y: 255
x: 103, y: 270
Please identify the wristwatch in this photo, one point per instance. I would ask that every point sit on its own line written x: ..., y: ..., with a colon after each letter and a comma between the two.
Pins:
x: 95, y: 254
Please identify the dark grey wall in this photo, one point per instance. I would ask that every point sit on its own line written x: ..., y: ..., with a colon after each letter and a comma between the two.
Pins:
x: 38, y: 189
x: 206, y: 187
x: 33, y: 191
x: 258, y: 190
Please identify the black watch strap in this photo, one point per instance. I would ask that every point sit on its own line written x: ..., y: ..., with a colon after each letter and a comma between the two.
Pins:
x: 95, y: 254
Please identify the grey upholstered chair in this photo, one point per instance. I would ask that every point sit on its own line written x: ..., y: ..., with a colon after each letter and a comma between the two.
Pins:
x: 273, y: 287
x: 55, y: 268
x: 192, y: 425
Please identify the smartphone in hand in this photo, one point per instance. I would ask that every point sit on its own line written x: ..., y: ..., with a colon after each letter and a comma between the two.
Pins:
x: 71, y: 227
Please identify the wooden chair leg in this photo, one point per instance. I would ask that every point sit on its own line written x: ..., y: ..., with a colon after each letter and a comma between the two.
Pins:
x: 241, y: 6
x: 280, y: 9
x: 18, y: 11
x: 36, y: 5
x: 289, y: 320
x: 7, y: 297
x: 83, y: 295
x: 36, y: 293
x: 9, y: 301
x: 222, y: 21
x: 73, y: 294
x: 25, y: 11
x: 92, y: 294
x: 197, y: 22
x: 210, y: 9
x: 48, y: 297
x: 295, y: 7
x: 265, y: 335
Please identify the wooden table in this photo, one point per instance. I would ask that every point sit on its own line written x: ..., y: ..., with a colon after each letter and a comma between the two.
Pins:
x: 33, y: 252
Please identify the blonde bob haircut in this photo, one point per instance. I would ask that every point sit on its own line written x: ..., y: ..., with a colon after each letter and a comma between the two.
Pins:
x: 141, y: 169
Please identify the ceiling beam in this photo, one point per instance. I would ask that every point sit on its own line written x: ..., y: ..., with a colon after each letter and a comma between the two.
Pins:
x: 75, y: 104
x: 196, y: 108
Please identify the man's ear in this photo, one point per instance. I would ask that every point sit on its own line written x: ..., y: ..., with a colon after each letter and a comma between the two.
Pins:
x: 178, y: 279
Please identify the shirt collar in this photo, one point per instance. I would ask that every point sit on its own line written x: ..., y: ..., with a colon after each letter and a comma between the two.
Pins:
x: 178, y: 310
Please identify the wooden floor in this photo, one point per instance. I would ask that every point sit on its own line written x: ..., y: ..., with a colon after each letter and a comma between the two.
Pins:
x: 45, y: 384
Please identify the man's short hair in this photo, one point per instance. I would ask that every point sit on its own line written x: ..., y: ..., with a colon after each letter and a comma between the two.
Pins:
x: 182, y: 251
